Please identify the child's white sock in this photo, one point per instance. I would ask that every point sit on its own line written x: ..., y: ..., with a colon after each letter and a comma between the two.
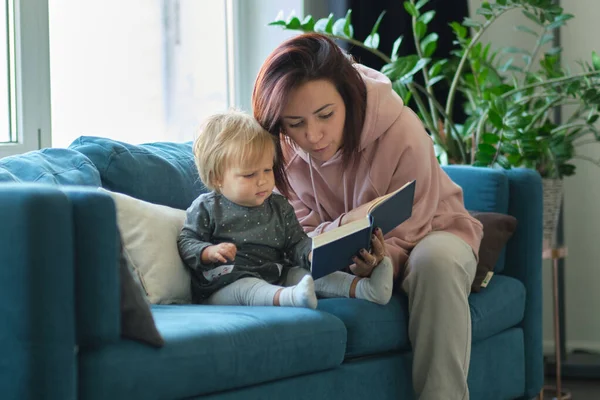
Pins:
x: 300, y: 295
x: 377, y: 288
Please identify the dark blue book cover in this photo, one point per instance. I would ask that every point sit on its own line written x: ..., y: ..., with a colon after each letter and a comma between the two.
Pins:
x: 334, y: 250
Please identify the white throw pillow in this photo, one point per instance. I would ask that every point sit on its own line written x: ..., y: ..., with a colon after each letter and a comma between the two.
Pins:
x: 149, y: 233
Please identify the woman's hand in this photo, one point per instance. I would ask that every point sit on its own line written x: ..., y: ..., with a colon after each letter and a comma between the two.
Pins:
x: 222, y: 252
x: 364, y: 266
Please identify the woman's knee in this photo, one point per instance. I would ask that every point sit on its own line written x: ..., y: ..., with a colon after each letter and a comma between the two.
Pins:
x: 442, y: 256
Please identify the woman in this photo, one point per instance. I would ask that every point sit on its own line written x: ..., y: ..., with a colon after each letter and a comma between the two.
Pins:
x: 346, y: 139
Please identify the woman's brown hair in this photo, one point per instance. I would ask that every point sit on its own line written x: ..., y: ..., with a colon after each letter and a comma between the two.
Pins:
x: 298, y: 60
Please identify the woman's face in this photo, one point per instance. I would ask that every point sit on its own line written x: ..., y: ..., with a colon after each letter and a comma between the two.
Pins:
x: 313, y: 118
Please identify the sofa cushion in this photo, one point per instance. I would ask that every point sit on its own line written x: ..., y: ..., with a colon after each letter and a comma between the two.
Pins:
x: 137, y: 322
x: 161, y: 173
x: 497, y: 229
x: 500, y: 306
x: 484, y: 190
x: 372, y: 328
x: 57, y: 166
x: 149, y: 233
x: 213, y: 348
x: 375, y: 329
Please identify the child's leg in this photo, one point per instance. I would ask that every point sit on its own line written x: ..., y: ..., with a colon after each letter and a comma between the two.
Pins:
x: 377, y: 288
x: 294, y: 276
x: 256, y: 292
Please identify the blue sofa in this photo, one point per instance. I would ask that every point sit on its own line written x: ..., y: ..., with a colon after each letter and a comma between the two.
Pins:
x: 59, y: 313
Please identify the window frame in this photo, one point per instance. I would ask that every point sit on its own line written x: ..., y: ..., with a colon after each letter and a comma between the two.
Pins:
x: 32, y: 78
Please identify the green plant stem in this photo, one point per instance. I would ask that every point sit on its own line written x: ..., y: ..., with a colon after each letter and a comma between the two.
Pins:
x: 425, y: 70
x: 536, y: 49
x: 439, y: 107
x: 461, y: 64
x: 550, y: 82
x: 567, y: 126
x: 362, y: 45
x: 596, y: 162
x: 586, y: 142
x: 542, y: 113
x: 426, y: 119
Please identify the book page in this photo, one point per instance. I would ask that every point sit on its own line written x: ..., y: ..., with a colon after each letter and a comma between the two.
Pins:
x: 385, y: 197
x: 340, y: 231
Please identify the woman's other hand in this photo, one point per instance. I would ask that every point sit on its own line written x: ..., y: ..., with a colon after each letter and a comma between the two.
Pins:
x: 363, y: 265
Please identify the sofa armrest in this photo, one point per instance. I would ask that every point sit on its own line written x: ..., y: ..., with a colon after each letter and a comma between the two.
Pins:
x: 96, y: 243
x: 524, y: 262
x: 37, y: 316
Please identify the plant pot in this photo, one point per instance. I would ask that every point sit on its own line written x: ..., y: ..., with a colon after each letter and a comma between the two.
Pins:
x: 553, y: 193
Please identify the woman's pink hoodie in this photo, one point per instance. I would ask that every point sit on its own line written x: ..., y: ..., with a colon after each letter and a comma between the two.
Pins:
x: 394, y: 149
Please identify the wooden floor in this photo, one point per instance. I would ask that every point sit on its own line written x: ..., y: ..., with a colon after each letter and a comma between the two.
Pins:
x: 579, y: 389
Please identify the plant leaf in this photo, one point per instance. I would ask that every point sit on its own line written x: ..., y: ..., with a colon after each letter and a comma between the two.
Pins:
x: 596, y: 61
x: 495, y: 119
x: 429, y: 44
x: 396, y: 47
x: 471, y: 23
x: 523, y: 28
x: 378, y: 22
x: 427, y: 17
x: 436, y: 68
x: 308, y: 24
x: 532, y: 17
x: 514, y: 50
x: 490, y: 138
x: 420, y: 29
x: 278, y: 20
x: 372, y: 41
x: 435, y: 80
x: 325, y: 25
x: 342, y: 26
x: 418, y: 66
x: 461, y: 31
x: 411, y: 9
x: 421, y: 3
x: 486, y: 148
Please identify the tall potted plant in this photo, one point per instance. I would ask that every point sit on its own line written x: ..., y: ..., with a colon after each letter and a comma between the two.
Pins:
x: 508, y: 106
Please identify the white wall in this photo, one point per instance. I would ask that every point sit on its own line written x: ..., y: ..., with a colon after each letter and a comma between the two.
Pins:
x: 582, y: 198
x: 582, y: 201
x: 256, y: 40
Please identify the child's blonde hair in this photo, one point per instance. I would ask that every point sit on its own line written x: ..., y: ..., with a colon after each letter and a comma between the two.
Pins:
x: 229, y: 139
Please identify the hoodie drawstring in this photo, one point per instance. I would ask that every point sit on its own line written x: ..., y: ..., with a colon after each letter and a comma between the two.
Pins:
x: 312, y: 181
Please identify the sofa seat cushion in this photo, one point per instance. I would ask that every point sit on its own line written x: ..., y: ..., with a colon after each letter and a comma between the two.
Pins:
x: 499, y: 307
x: 374, y: 329
x: 161, y: 173
x: 213, y: 348
x: 55, y: 166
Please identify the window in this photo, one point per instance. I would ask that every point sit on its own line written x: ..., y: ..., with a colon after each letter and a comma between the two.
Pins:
x: 136, y: 71
x: 24, y: 84
x: 8, y: 132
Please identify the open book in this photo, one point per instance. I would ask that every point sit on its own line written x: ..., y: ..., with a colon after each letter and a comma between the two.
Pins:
x: 333, y: 250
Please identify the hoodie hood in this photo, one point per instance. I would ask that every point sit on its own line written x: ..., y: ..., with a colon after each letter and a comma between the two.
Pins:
x: 384, y: 106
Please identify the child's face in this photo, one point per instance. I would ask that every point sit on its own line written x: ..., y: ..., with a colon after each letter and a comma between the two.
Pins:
x: 249, y: 186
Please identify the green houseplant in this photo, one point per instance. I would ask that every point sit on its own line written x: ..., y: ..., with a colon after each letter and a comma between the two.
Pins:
x: 509, y: 106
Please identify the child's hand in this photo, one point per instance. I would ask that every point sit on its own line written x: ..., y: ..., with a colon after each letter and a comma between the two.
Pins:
x: 222, y: 252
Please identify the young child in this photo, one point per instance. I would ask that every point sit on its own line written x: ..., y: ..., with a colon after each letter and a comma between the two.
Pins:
x: 242, y: 242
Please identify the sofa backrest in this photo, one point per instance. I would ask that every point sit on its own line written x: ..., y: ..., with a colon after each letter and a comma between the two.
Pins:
x: 55, y: 166
x: 161, y: 173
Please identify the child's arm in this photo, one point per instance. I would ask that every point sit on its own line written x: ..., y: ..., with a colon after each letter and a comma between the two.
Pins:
x: 298, y: 246
x: 195, y: 237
